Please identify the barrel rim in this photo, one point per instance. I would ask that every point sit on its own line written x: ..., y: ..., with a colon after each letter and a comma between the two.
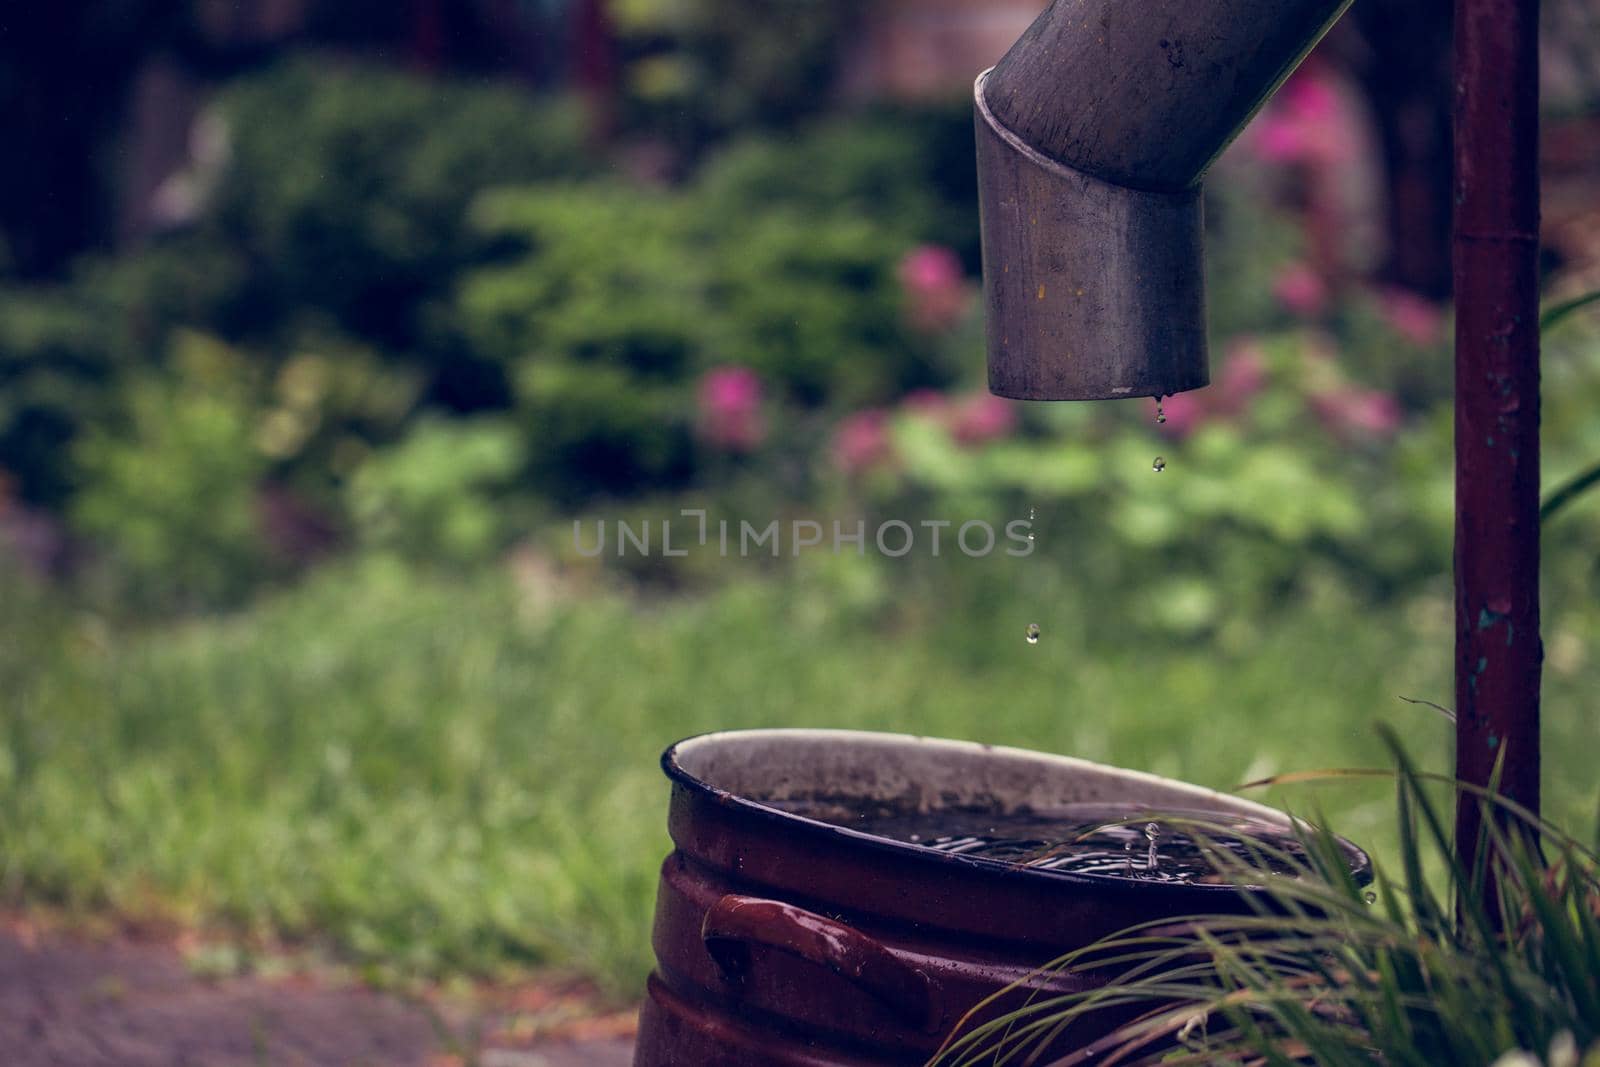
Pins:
x: 769, y: 816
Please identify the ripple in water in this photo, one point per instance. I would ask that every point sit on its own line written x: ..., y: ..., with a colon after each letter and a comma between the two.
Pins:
x: 1092, y: 839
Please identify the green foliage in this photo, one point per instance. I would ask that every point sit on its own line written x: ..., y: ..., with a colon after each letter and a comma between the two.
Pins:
x: 625, y: 296
x: 335, y: 247
x: 327, y: 406
x: 170, y: 488
x: 54, y: 366
x: 709, y: 67
x: 1492, y: 962
x: 347, y: 191
x: 355, y: 252
x: 1571, y: 490
x: 910, y: 171
x: 1268, y: 493
x: 430, y: 497
x: 815, y: 307
x: 331, y: 218
x: 601, y: 327
x: 1253, y: 509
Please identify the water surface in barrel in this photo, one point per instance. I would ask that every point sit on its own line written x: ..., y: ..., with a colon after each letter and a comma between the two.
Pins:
x: 1185, y: 847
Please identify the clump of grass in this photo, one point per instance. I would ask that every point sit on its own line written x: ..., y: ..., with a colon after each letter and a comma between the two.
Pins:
x: 1492, y: 961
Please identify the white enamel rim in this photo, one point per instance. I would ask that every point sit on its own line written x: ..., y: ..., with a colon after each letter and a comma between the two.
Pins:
x: 753, y: 767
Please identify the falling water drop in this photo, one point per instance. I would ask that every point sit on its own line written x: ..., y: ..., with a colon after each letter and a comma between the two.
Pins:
x: 1033, y: 633
x: 1159, y: 465
x: 1161, y: 415
x: 1370, y: 897
x: 1152, y: 833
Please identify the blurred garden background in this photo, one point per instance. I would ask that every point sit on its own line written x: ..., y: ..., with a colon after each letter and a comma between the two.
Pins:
x: 322, y: 323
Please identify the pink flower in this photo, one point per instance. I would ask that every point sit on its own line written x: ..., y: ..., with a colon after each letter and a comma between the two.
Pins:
x: 1415, y: 318
x: 974, y: 419
x: 861, y: 442
x: 1355, y: 413
x: 1301, y: 290
x: 935, y: 288
x: 980, y: 418
x: 1278, y: 140
x: 1307, y: 123
x: 930, y: 268
x: 1184, y: 412
x: 728, y: 404
x: 1243, y: 376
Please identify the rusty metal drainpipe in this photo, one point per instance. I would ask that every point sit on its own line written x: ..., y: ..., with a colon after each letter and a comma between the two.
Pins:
x: 1498, y: 651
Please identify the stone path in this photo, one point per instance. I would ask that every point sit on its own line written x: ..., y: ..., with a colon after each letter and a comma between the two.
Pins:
x: 72, y: 1002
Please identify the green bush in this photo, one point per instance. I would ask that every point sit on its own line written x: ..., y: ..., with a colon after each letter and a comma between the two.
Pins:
x: 1255, y: 507
x: 347, y: 190
x: 908, y: 170
x: 600, y: 327
x: 332, y: 220
x: 325, y: 408
x: 56, y: 368
x: 814, y: 305
x: 703, y: 68
x: 624, y: 296
x: 333, y: 247
x: 429, y: 497
x: 170, y: 486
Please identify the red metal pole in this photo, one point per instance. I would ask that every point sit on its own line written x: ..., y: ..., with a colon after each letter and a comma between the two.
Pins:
x: 427, y: 35
x: 1498, y: 651
x: 596, y: 68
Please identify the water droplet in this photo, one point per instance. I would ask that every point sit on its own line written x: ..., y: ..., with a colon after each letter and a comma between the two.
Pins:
x: 1159, y: 465
x: 1152, y: 833
x: 1127, y: 853
x: 1033, y: 633
x: 1161, y: 414
x: 1370, y: 897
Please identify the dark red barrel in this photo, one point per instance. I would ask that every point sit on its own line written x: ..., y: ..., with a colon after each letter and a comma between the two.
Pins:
x: 784, y: 940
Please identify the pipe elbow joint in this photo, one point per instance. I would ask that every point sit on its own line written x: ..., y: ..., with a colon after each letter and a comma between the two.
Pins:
x: 1094, y: 132
x: 1092, y: 290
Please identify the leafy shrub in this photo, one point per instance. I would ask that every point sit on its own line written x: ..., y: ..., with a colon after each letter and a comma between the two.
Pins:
x: 623, y: 297
x: 600, y: 327
x: 429, y: 497
x: 814, y: 305
x: 347, y: 190
x: 909, y: 170
x: 324, y: 408
x: 170, y: 486
x: 332, y: 218
x: 1269, y: 491
x: 55, y: 378
x: 703, y: 68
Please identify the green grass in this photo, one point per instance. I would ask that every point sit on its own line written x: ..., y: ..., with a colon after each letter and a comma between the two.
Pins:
x: 458, y: 776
